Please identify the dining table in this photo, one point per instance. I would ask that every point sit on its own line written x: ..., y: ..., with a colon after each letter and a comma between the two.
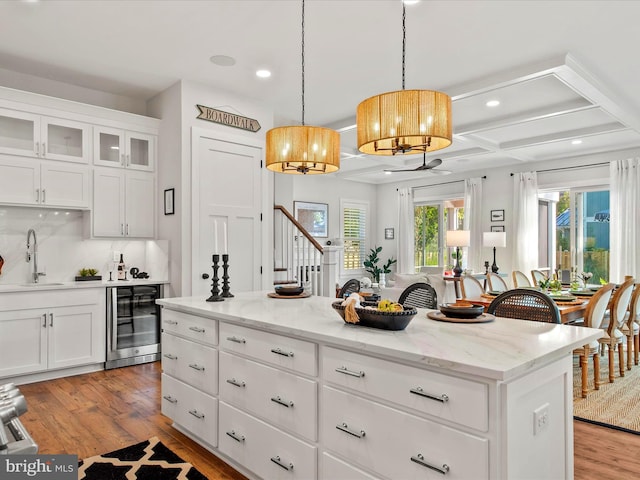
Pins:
x: 569, y: 311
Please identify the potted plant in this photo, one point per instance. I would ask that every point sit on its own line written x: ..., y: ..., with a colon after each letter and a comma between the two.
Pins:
x: 88, y: 274
x: 371, y: 264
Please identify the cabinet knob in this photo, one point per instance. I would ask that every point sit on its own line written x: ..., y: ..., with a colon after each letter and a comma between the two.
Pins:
x: 205, y: 276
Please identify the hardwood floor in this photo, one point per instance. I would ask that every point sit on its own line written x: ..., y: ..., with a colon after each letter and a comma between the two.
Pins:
x: 103, y: 411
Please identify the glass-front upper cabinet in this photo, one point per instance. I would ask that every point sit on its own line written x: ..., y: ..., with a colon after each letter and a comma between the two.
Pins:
x: 120, y: 148
x: 32, y: 135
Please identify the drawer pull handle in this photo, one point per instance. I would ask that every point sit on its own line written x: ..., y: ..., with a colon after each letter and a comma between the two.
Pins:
x: 170, y: 399
x: 236, y: 340
x: 195, y: 366
x: 345, y: 428
x: 235, y: 382
x: 282, y: 402
x: 196, y: 329
x: 278, y: 351
x: 235, y: 436
x: 346, y: 371
x: 196, y: 414
x: 419, y: 459
x: 171, y: 322
x: 169, y: 356
x: 444, y: 398
x: 279, y: 462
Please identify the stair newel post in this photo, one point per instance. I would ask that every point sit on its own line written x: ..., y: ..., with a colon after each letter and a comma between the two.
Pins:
x: 225, y: 277
x: 215, y: 291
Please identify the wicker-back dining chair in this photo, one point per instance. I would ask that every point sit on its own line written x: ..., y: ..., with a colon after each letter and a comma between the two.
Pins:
x: 525, y: 304
x: 419, y: 295
x: 349, y: 287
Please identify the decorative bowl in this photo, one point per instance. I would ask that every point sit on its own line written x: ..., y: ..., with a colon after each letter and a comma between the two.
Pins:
x: 289, y: 289
x: 453, y: 311
x: 377, y: 319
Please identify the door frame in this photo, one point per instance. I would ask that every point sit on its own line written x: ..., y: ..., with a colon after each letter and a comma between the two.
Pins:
x: 266, y: 179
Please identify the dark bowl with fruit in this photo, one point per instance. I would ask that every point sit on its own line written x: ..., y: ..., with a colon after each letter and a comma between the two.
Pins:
x: 373, y: 318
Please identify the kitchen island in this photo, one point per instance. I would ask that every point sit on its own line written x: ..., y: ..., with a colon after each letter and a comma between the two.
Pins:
x: 284, y: 388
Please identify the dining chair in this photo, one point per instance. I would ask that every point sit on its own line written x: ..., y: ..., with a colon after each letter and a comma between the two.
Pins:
x: 632, y: 328
x: 520, y: 279
x: 525, y: 304
x: 537, y: 276
x: 349, y: 287
x: 593, y: 316
x: 419, y: 295
x: 496, y: 283
x: 470, y: 287
x: 613, y: 337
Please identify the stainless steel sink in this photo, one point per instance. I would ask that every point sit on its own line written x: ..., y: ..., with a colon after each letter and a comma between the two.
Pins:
x: 40, y: 284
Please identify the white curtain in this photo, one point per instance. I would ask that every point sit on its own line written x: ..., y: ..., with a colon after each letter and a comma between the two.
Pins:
x: 473, y: 222
x: 405, y: 231
x: 525, y: 222
x: 624, y: 208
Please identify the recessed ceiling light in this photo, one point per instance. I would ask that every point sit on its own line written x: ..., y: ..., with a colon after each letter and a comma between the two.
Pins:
x: 576, y: 142
x: 410, y: 2
x: 492, y: 103
x: 263, y: 73
x: 223, y: 60
x: 387, y: 173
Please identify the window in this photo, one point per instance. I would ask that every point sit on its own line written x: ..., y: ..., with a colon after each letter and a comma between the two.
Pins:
x: 576, y: 233
x: 354, y: 234
x: 431, y: 222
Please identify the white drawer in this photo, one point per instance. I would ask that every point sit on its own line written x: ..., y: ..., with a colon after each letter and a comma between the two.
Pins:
x: 283, y: 399
x: 263, y: 449
x: 335, y: 469
x: 190, y: 362
x: 285, y: 352
x: 397, y: 444
x: 454, y: 399
x: 194, y: 410
x: 201, y: 329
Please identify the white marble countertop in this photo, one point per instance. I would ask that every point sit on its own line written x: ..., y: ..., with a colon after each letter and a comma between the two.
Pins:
x: 500, y: 350
x: 34, y: 287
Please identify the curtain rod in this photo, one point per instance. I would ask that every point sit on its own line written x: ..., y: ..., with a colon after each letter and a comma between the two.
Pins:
x: 444, y: 183
x: 569, y: 168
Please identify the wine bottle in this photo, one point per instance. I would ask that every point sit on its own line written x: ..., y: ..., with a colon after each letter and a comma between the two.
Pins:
x: 121, y: 269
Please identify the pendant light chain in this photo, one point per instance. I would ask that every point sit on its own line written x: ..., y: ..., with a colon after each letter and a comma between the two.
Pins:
x: 404, y: 40
x: 302, y: 62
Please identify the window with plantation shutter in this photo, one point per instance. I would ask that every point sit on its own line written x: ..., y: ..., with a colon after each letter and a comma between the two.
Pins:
x: 354, y: 234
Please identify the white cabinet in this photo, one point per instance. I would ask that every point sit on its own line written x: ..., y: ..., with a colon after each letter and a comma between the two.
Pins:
x: 123, y: 203
x: 49, y: 335
x: 32, y: 135
x: 113, y: 147
x: 40, y: 182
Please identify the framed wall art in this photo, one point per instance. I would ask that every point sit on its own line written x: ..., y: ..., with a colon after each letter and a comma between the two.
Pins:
x: 388, y: 234
x: 497, y: 228
x: 314, y: 217
x: 497, y: 215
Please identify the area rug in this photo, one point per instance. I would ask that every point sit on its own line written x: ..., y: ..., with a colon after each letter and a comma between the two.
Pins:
x: 615, y: 405
x: 149, y: 460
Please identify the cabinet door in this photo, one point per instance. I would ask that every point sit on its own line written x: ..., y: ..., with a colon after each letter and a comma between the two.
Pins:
x: 108, y: 203
x: 64, y: 140
x: 76, y: 336
x: 19, y: 133
x: 19, y: 180
x: 140, y: 151
x: 23, y: 342
x: 64, y: 185
x: 108, y: 147
x: 140, y: 204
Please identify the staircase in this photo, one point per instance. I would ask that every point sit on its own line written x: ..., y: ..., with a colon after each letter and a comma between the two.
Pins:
x: 297, y: 255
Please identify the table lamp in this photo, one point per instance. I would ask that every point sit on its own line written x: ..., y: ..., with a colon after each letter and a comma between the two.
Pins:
x: 494, y: 239
x: 458, y: 238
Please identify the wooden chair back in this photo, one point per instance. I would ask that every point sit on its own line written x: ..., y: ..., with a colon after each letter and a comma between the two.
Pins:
x: 470, y: 287
x: 525, y: 304
x: 419, y: 295
x: 520, y: 279
x: 619, y: 306
x: 597, y: 306
x: 496, y: 283
x: 350, y: 286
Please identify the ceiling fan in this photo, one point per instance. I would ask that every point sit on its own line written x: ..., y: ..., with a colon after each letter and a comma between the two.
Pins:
x: 425, y: 166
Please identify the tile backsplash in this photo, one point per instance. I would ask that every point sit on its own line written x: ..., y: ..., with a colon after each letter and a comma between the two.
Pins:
x: 64, y: 249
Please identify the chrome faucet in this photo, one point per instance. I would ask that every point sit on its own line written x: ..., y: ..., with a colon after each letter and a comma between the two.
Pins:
x: 35, y: 276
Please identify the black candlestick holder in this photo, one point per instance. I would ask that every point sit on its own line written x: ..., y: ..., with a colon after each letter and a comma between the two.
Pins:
x: 486, y: 267
x: 225, y: 277
x: 215, y: 291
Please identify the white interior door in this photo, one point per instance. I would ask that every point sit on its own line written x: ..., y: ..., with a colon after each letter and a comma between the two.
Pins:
x: 227, y: 214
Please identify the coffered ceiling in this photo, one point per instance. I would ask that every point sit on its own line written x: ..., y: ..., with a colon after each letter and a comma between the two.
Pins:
x: 563, y: 71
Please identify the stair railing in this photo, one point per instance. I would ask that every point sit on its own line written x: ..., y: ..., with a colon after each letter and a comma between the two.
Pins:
x: 297, y: 255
